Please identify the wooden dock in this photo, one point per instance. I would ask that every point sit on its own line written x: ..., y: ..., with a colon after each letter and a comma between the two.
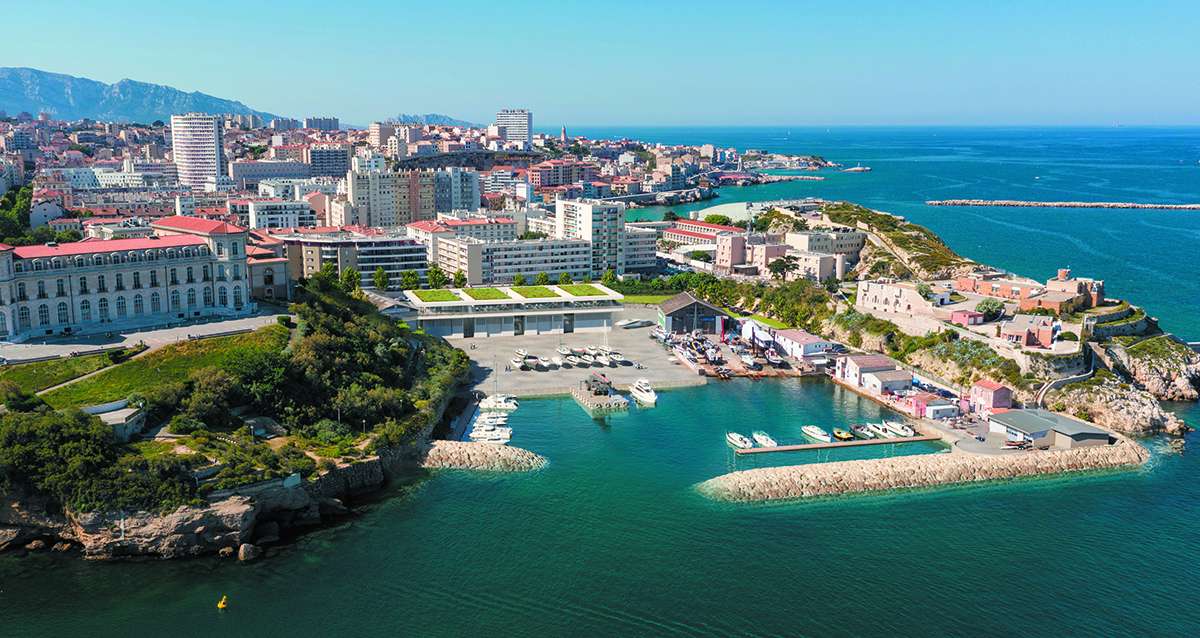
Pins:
x: 835, y: 444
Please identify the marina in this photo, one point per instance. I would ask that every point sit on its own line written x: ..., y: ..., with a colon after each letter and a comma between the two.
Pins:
x: 837, y: 444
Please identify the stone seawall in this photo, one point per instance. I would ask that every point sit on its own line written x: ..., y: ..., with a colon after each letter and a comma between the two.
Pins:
x: 481, y: 456
x: 907, y: 472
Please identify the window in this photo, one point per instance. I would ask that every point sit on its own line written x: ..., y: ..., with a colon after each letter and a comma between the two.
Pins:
x: 174, y: 277
x: 101, y: 285
x: 174, y: 300
x: 208, y: 300
x: 23, y: 318
x: 220, y: 249
x: 121, y: 310
x: 155, y: 303
x: 191, y: 277
x: 137, y: 280
x: 269, y: 277
x: 222, y: 297
x: 237, y: 297
x: 103, y: 306
x: 61, y: 288
x: 138, y: 308
x: 85, y: 310
x: 83, y: 286
x: 207, y: 272
x: 43, y: 315
x: 220, y: 272
x: 21, y: 295
x: 237, y: 272
x: 120, y: 281
x: 191, y: 298
x: 3, y: 324
x: 41, y: 289
x: 64, y: 316
x: 154, y: 279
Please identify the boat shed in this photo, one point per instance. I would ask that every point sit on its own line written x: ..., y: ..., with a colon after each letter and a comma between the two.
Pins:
x: 1045, y: 429
x: 685, y: 312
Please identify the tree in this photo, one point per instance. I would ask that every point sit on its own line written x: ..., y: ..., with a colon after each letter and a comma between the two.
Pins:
x: 991, y: 308
x: 541, y: 279
x: 460, y: 279
x: 350, y: 280
x: 436, y: 277
x: 518, y: 279
x: 782, y: 266
x: 410, y: 280
x: 609, y: 278
x: 831, y: 284
x: 380, y: 279
x: 565, y: 280
x: 532, y: 234
x: 670, y: 216
x: 723, y: 220
x: 924, y: 290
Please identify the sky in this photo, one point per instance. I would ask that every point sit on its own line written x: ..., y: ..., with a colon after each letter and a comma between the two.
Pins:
x: 647, y: 62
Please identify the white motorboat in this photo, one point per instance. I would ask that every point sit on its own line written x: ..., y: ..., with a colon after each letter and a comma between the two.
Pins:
x: 603, y: 360
x: 573, y: 360
x: 749, y: 362
x: 817, y: 434
x: 898, y: 428
x: 592, y: 350
x: 517, y: 362
x: 764, y: 439
x: 499, y: 402
x: 543, y: 362
x: 605, y: 349
x: 862, y: 431
x: 643, y: 392
x: 493, y: 418
x: 880, y: 432
x: 556, y: 361
x: 563, y: 350
x: 738, y: 441
x: 773, y: 358
x: 624, y: 322
x: 586, y: 359
x: 521, y: 352
x: 616, y: 358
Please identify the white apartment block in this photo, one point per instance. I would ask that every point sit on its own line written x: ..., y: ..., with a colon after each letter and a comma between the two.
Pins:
x: 388, y: 199
x: 364, y: 249
x: 834, y: 242
x: 500, y: 262
x: 482, y: 228
x: 517, y: 125
x: 196, y: 148
x: 281, y: 213
x: 378, y: 133
x: 641, y: 245
x: 327, y: 160
x: 456, y: 188
x: 601, y: 223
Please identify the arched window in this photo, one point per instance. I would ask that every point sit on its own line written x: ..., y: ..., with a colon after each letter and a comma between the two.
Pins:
x: 103, y: 306
x: 3, y: 323
x: 23, y: 318
x: 37, y: 264
x: 191, y: 298
x: 174, y: 300
x: 121, y: 309
x: 208, y: 300
x: 155, y: 303
x: 222, y: 297
x: 85, y: 310
x: 79, y: 262
x: 64, y: 315
x: 138, y: 308
x: 237, y: 297
x: 43, y: 315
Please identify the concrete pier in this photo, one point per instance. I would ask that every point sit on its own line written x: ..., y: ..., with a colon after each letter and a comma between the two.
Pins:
x: 834, y: 444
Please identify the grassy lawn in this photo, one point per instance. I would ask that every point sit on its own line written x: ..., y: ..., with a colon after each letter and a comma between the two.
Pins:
x: 486, y: 294
x: 435, y: 295
x: 767, y: 321
x: 647, y: 299
x: 582, y: 290
x: 534, y: 292
x: 33, y: 377
x: 170, y: 364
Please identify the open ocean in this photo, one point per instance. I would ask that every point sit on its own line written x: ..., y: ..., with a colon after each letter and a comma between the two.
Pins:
x: 611, y: 539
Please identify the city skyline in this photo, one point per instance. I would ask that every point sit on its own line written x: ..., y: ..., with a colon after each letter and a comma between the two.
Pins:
x: 1023, y: 64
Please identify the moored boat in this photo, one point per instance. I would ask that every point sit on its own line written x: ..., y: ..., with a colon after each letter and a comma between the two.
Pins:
x: 573, y: 360
x: 543, y: 362
x: 842, y: 435
x: 879, y: 431
x: 817, y: 434
x: 738, y: 441
x: 517, y: 362
x: 898, y: 428
x: 616, y: 358
x: 861, y: 431
x: 592, y: 350
x: 764, y: 439
x: 602, y: 360
x: 521, y: 352
x: 556, y: 361
x: 563, y: 350
x: 643, y: 392
x: 499, y: 402
x: 586, y: 359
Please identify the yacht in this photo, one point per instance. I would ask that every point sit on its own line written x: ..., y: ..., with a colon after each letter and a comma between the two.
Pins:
x: 517, y: 362
x: 861, y: 431
x: 605, y: 349
x: 738, y: 441
x: 898, y: 428
x: 817, y: 434
x: 543, y: 362
x: 773, y: 358
x: 563, y: 350
x: 592, y: 350
x: 499, y: 402
x: 879, y: 431
x: 764, y: 439
x: 642, y: 391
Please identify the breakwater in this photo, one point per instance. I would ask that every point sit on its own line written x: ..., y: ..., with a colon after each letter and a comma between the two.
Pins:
x: 481, y: 456
x: 909, y: 472
x: 1016, y: 203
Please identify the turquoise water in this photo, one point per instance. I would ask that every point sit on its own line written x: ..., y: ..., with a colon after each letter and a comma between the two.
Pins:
x: 611, y: 539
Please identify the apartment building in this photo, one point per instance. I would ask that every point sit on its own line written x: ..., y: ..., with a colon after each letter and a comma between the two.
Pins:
x: 358, y: 247
x: 517, y: 125
x: 456, y: 188
x: 197, y: 148
x: 835, y: 242
x: 322, y: 123
x: 327, y: 160
x: 390, y: 198
x: 246, y: 174
x: 560, y: 172
x: 602, y: 223
x: 485, y: 262
x: 191, y: 268
x: 482, y: 228
x: 378, y: 134
x: 280, y: 213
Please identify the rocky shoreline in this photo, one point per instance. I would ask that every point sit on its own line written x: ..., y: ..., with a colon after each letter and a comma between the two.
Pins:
x: 911, y: 472
x: 1117, y: 406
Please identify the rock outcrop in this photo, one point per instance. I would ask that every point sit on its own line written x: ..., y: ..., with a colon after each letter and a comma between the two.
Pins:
x: 1118, y: 406
x: 187, y: 531
x: 909, y: 472
x: 481, y: 456
x: 1163, y: 366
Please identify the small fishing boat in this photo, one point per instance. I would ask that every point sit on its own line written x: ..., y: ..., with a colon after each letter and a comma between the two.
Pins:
x: 587, y: 359
x: 499, y: 402
x: 879, y: 431
x: 521, y: 352
x: 898, y: 428
x: 556, y: 361
x: 543, y: 362
x: 605, y: 349
x: 578, y: 351
x: 817, y: 434
x: 603, y: 360
x: 643, y: 392
x: 563, y: 350
x: 773, y: 358
x: 861, y: 431
x: 738, y: 441
x: 842, y: 435
x: 749, y: 362
x: 573, y: 360
x: 592, y: 350
x: 617, y: 358
x: 764, y: 439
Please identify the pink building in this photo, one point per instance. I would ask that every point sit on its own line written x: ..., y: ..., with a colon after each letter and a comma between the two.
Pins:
x: 1029, y: 331
x: 987, y: 396
x: 966, y: 317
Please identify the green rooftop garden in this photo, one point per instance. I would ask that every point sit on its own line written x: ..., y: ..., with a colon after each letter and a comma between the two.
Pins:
x: 430, y: 296
x: 486, y: 294
x: 582, y: 290
x: 534, y: 292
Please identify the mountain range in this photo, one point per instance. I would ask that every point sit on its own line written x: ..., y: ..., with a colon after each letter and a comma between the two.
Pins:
x: 70, y: 98
x: 430, y: 118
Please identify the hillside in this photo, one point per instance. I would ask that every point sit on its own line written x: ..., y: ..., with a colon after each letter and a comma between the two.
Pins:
x: 71, y: 98
x: 430, y: 118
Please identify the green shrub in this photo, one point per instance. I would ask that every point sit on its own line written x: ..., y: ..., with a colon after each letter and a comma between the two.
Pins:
x: 1067, y: 335
x: 183, y: 424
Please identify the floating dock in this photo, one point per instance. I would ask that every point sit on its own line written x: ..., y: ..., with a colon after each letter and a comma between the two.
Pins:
x: 594, y: 402
x: 834, y: 444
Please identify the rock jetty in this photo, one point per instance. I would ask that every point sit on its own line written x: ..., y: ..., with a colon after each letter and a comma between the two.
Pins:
x: 464, y: 455
x: 909, y: 472
x: 1015, y: 203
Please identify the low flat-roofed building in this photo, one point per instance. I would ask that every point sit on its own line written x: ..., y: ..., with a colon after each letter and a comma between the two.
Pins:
x: 1029, y: 331
x: 1045, y: 429
x: 887, y: 381
x: 515, y: 315
x: 851, y: 368
x: 799, y: 344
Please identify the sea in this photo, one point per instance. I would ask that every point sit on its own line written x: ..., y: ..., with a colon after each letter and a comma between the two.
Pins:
x: 612, y: 539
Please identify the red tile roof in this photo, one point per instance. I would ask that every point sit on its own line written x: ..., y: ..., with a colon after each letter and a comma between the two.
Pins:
x: 687, y: 233
x: 694, y: 222
x: 106, y: 246
x: 988, y: 384
x: 429, y: 226
x: 197, y: 225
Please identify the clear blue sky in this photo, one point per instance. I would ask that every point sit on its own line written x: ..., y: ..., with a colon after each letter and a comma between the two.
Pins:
x: 644, y: 62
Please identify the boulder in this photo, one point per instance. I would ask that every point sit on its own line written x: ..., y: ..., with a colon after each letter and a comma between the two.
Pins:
x: 35, y: 545
x: 226, y: 552
x: 248, y: 552
x: 61, y: 546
